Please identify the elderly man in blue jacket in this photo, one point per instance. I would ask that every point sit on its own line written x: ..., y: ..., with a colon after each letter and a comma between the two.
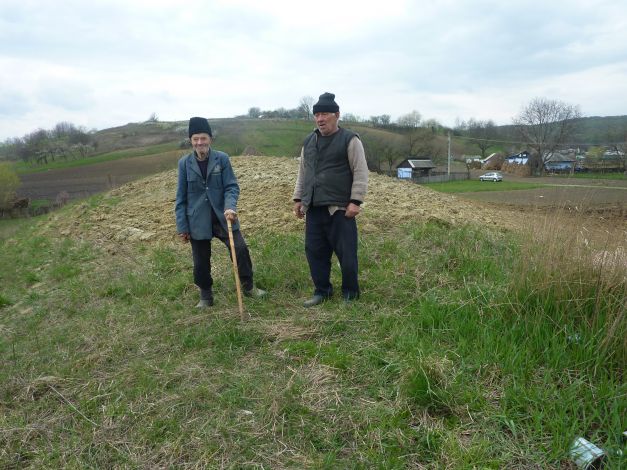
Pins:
x: 206, y: 196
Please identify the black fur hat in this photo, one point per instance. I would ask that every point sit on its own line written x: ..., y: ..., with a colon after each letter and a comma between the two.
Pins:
x: 199, y: 125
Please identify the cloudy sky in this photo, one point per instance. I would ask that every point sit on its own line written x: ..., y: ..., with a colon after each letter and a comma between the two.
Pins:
x: 103, y: 63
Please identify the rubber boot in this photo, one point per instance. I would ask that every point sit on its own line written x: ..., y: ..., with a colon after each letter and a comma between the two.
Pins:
x: 206, y: 298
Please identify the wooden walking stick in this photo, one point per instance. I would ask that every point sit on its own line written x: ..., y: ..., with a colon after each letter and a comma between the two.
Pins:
x: 236, y: 271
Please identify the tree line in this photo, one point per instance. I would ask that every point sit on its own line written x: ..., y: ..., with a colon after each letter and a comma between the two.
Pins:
x: 412, y: 135
x: 64, y: 141
x: 542, y: 127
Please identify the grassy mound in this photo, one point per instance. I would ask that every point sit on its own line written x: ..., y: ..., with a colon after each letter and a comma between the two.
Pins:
x: 470, y: 347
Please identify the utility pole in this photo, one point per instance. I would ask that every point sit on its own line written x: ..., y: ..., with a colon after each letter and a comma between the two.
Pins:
x: 449, y: 156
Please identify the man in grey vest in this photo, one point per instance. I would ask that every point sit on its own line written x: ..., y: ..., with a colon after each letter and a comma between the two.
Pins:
x: 331, y: 185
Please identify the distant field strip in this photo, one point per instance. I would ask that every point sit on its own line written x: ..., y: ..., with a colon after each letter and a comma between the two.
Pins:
x: 586, y: 186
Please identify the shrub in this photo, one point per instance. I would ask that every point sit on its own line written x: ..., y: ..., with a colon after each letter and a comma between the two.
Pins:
x: 9, y: 182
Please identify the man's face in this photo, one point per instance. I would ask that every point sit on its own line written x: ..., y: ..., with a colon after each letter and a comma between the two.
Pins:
x: 201, y: 144
x: 327, y: 122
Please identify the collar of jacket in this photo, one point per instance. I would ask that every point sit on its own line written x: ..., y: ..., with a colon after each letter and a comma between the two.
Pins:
x: 212, y: 161
x: 318, y: 134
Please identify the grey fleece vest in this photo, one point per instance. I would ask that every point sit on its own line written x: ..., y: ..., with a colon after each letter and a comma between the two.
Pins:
x: 328, y: 177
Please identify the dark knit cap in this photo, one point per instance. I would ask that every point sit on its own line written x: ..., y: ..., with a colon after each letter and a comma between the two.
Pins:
x: 326, y: 104
x: 199, y: 125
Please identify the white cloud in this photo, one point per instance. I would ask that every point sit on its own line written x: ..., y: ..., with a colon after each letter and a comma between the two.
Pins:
x: 105, y: 63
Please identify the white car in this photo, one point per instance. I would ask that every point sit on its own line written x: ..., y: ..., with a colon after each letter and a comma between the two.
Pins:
x: 492, y: 176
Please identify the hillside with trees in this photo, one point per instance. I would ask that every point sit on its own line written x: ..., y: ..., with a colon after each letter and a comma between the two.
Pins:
x: 280, y: 133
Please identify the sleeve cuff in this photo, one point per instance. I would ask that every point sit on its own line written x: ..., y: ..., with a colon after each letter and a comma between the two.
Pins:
x: 356, y: 202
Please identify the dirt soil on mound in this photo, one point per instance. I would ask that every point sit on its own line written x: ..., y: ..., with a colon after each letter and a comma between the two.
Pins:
x: 143, y: 209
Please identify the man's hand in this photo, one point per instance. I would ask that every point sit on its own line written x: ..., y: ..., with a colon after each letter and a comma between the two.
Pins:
x: 298, y: 210
x: 231, y: 215
x: 184, y: 237
x: 352, y: 210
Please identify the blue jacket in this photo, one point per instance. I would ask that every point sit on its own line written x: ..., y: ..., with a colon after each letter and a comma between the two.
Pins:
x: 195, y: 197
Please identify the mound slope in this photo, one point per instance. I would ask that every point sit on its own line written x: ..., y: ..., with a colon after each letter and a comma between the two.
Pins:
x: 143, y: 210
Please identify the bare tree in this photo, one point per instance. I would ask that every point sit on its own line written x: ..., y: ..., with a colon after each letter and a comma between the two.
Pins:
x: 545, y: 125
x: 432, y: 124
x: 380, y: 121
x: 419, y: 135
x: 393, y: 152
x: 619, y: 137
x: 63, y: 129
x: 482, y: 134
x: 254, y: 112
x: 305, y: 106
x: 409, y: 120
x: 420, y: 142
x: 383, y: 148
x: 14, y: 148
x: 350, y: 117
x: 374, y: 152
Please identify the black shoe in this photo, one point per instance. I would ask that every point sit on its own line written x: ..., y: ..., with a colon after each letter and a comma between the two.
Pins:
x: 350, y: 297
x: 315, y: 300
x: 256, y: 293
x: 204, y: 303
x: 206, y: 294
x: 206, y: 298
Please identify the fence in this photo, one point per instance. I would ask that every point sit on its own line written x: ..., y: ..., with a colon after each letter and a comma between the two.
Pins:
x: 433, y: 177
x: 611, y: 166
x: 441, y: 177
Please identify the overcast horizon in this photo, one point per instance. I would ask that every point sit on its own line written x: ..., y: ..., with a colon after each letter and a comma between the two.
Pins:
x: 103, y: 64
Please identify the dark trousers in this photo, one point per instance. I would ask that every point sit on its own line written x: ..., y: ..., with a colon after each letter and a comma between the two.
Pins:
x: 327, y: 234
x: 201, y: 254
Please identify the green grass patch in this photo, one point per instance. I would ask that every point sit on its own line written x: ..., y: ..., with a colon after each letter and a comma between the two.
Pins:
x: 467, y: 349
x: 472, y: 186
x: 276, y: 137
x: 8, y: 227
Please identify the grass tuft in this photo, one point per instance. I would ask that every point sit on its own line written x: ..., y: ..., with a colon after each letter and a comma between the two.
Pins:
x: 467, y: 349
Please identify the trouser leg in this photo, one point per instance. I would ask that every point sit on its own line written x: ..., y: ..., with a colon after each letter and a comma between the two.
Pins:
x: 318, y: 249
x: 201, y: 255
x: 244, y: 261
x: 343, y: 236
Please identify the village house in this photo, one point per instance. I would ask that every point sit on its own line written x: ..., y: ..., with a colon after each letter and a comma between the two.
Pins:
x: 414, y: 167
x: 520, y: 158
x: 559, y: 162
